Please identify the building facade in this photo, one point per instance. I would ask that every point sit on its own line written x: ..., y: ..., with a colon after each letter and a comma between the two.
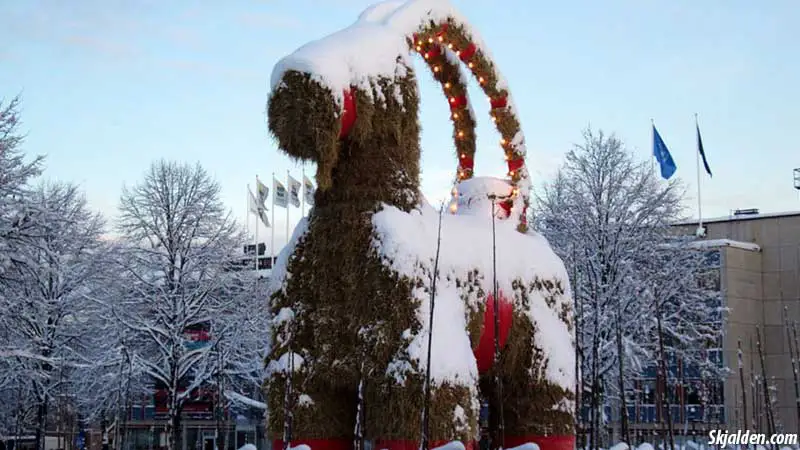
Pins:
x: 759, y: 268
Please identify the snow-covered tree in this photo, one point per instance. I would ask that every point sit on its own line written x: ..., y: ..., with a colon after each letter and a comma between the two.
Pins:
x: 110, y: 380
x: 17, y: 415
x: 688, y: 317
x: 240, y: 347
x: 47, y: 316
x: 241, y: 336
x: 674, y: 276
x: 15, y: 174
x: 605, y: 214
x: 179, y: 242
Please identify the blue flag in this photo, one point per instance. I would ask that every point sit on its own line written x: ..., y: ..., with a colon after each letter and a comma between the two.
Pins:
x: 663, y: 156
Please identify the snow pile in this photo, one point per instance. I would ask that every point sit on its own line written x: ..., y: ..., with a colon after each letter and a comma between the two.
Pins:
x: 407, y: 242
x: 471, y: 195
x: 528, y: 446
x: 248, y: 447
x: 283, y: 364
x: 455, y: 445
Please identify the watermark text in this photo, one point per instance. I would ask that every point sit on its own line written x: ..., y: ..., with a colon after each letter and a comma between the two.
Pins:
x: 724, y: 439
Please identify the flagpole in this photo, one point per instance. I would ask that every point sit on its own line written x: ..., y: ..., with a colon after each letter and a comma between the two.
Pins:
x: 272, y: 244
x: 256, y: 229
x: 652, y: 144
x: 699, y: 198
x: 247, y: 222
x: 288, y: 203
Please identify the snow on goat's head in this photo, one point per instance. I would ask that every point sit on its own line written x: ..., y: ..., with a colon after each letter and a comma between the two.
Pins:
x: 326, y: 91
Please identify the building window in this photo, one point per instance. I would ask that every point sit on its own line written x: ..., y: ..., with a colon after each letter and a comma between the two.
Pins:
x: 136, y: 412
x: 647, y: 393
x: 710, y: 275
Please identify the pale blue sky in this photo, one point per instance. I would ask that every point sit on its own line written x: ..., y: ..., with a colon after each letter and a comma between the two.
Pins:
x: 110, y: 85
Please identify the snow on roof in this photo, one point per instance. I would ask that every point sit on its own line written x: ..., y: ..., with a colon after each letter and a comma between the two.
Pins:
x: 733, y: 217
x: 373, y: 46
x: 407, y: 241
x: 713, y: 243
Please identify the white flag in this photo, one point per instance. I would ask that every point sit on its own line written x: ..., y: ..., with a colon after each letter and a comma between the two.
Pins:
x: 256, y: 208
x: 279, y: 195
x: 294, y: 191
x: 263, y: 192
x: 308, y: 190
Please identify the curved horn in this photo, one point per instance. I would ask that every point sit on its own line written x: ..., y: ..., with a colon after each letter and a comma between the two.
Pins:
x: 445, y: 45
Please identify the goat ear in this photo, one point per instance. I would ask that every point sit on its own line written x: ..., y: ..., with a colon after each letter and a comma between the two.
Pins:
x: 303, y: 118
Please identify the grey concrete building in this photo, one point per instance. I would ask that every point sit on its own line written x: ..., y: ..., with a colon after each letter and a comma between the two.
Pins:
x: 760, y: 284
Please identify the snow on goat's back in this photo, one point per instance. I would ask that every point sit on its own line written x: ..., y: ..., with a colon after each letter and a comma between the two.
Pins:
x: 407, y: 242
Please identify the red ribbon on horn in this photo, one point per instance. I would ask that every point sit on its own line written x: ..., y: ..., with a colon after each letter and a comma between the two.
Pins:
x: 515, y: 164
x: 467, y: 53
x: 457, y: 102
x: 466, y: 162
x: 499, y: 102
